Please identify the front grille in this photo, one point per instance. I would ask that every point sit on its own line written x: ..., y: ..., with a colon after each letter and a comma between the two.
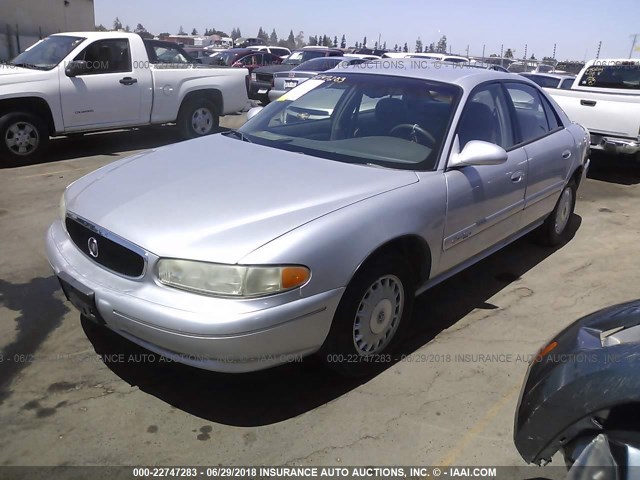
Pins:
x: 264, y: 77
x: 109, y: 253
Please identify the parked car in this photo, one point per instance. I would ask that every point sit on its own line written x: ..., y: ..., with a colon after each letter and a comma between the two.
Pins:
x: 282, y: 52
x: 262, y: 78
x: 200, y: 54
x: 247, y: 42
x: 285, y: 81
x: 293, y: 235
x: 439, y: 56
x: 551, y: 80
x: 605, y: 98
x: 89, y: 81
x: 580, y: 396
x: 245, y: 58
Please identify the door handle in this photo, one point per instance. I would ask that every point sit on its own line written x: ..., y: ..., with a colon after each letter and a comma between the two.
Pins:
x: 566, y: 155
x: 588, y: 103
x: 128, y: 80
x: 517, y: 177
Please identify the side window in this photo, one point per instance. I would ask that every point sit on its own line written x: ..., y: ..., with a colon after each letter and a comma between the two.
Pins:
x: 566, y: 84
x: 106, y: 56
x: 486, y: 118
x: 530, y: 113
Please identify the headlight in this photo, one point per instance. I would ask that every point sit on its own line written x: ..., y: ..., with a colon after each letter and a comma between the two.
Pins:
x: 62, y: 209
x: 254, y: 77
x: 230, y: 280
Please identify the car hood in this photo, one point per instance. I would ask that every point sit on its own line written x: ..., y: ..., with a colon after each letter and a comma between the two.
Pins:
x: 218, y: 199
x: 274, y: 68
x: 10, y: 74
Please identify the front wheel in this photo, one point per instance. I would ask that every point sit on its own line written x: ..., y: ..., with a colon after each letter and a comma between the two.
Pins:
x: 197, y: 118
x: 371, y: 318
x: 554, y: 230
x: 23, y: 137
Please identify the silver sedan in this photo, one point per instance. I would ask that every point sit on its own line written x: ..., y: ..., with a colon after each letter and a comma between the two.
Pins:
x: 313, y: 227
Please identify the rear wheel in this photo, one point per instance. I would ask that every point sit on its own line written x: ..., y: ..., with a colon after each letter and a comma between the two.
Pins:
x: 554, y: 230
x: 23, y: 137
x: 371, y: 318
x: 197, y: 118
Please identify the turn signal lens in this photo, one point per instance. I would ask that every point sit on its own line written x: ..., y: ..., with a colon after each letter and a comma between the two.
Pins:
x: 292, y: 277
x: 546, y: 351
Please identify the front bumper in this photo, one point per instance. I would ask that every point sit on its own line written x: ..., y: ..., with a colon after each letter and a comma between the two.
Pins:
x: 614, y: 144
x: 225, y: 335
x: 276, y: 94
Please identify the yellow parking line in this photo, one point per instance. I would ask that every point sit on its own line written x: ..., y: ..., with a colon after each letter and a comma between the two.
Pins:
x: 478, y: 428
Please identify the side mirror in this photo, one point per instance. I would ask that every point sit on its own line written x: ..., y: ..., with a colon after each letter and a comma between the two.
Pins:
x: 477, y: 153
x: 253, y: 112
x: 75, y: 68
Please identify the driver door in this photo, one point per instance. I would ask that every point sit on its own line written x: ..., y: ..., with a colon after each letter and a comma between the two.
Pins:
x: 108, y: 94
x: 484, y: 203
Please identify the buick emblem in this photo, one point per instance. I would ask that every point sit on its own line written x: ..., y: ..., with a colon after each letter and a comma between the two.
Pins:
x: 93, y: 247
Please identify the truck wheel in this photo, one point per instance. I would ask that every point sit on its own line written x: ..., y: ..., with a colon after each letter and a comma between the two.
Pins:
x: 553, y: 230
x: 198, y: 117
x: 23, y: 137
x: 371, y: 318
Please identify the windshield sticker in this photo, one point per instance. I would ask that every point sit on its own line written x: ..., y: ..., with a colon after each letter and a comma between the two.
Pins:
x: 330, y: 78
x: 300, y: 90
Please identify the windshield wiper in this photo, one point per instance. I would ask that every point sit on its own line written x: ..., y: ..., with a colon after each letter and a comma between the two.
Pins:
x: 236, y: 133
x: 28, y: 65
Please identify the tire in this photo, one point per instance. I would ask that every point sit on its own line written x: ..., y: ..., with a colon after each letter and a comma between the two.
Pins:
x: 360, y: 345
x: 554, y: 229
x: 198, y: 117
x: 23, y: 138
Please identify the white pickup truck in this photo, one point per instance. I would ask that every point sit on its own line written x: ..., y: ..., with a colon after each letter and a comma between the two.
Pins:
x: 605, y: 98
x: 78, y: 82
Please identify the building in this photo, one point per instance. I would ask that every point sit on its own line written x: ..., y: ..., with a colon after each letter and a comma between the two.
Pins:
x: 24, y: 22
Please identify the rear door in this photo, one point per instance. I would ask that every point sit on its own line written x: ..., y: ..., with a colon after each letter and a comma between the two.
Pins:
x: 548, y: 145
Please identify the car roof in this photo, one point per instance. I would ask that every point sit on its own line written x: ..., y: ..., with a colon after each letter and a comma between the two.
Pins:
x: 453, y: 73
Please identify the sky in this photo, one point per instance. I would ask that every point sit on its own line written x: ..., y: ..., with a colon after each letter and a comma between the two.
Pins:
x: 574, y: 26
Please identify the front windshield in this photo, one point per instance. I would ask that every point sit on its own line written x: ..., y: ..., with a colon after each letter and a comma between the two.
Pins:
x: 387, y: 121
x: 296, y: 58
x: 320, y: 64
x: 48, y: 53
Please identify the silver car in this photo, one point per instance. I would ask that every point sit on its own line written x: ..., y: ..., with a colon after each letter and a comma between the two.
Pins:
x: 285, y: 81
x: 313, y: 227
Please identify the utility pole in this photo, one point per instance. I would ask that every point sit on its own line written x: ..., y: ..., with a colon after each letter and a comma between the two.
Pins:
x: 502, y: 54
x: 633, y: 44
x: 554, y: 52
x: 598, y: 52
x: 467, y: 51
x: 525, y: 51
x: 483, y: 45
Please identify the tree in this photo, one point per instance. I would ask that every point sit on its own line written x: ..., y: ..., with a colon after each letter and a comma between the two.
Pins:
x: 235, y: 33
x: 299, y: 40
x: 164, y: 35
x: 181, y: 31
x: 101, y: 28
x: 273, y: 39
x: 395, y: 49
x: 548, y: 59
x: 117, y: 24
x: 508, y: 53
x: 364, y: 42
x: 127, y: 28
x: 384, y: 46
x: 194, y: 31
x: 533, y: 57
x: 405, y: 49
x: 441, y: 47
x: 326, y: 41
x: 140, y: 30
x: 335, y: 41
x: 418, y: 45
x: 343, y: 42
x: 312, y: 41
